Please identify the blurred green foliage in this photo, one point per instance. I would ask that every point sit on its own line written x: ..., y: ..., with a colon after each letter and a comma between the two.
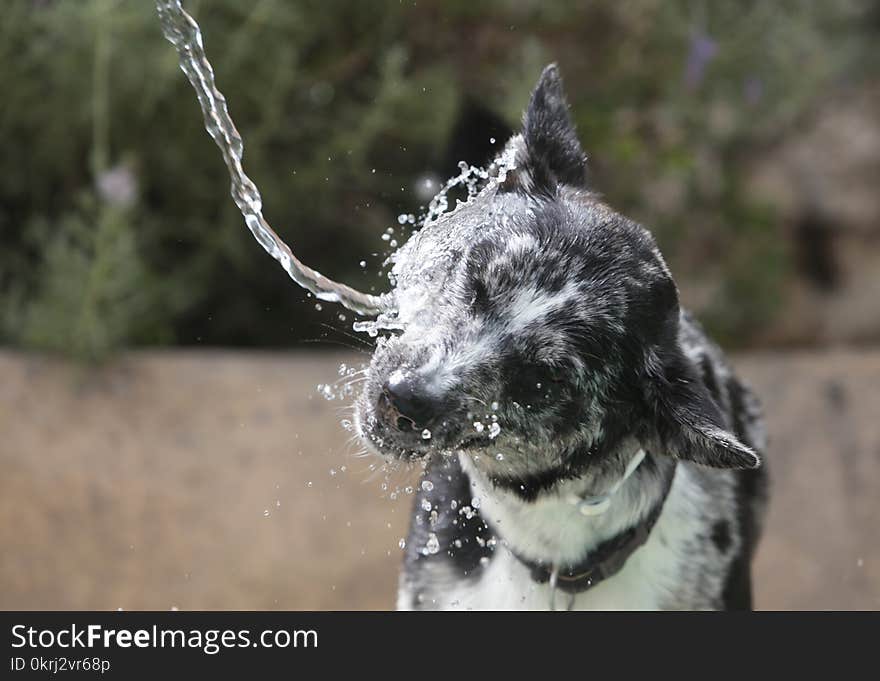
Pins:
x: 115, y: 222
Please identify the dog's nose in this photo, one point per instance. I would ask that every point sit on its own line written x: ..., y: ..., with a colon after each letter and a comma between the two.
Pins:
x: 408, y: 403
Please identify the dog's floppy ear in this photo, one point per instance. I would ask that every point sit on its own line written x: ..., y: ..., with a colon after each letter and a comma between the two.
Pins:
x: 687, y: 421
x: 551, y: 143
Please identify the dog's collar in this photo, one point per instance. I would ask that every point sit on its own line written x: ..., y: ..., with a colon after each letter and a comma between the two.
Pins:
x: 609, y: 557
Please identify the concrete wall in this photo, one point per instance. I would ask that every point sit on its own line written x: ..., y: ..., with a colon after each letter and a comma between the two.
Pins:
x: 223, y: 480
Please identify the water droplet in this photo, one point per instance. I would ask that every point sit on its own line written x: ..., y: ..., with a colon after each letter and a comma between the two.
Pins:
x: 426, y: 434
x: 266, y: 513
x: 402, y: 543
x: 494, y: 406
x: 499, y: 456
x: 326, y: 391
x: 318, y: 307
x: 309, y: 483
x: 475, y: 502
x: 427, y: 485
x: 478, y: 427
x: 432, y: 546
x: 494, y: 429
x: 426, y: 505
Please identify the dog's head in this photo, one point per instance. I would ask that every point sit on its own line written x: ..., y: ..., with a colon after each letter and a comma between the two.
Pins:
x: 539, y: 328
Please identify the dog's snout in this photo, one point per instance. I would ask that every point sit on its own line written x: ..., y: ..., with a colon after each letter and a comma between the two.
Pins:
x: 406, y: 403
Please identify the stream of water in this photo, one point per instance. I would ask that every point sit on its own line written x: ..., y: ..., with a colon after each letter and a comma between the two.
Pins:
x: 183, y: 32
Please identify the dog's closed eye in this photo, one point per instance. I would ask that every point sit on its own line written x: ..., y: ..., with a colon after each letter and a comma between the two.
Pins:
x: 536, y: 383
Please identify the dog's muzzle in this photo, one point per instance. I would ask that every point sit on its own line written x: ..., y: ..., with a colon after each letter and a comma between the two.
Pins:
x: 409, y: 410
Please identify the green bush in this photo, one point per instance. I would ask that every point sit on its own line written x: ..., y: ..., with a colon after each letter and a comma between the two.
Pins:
x: 116, y: 224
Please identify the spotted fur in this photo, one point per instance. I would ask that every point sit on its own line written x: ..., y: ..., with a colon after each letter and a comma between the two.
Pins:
x: 543, y: 348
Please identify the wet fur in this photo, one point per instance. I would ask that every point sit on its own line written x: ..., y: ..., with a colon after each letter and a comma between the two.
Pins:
x: 538, y: 308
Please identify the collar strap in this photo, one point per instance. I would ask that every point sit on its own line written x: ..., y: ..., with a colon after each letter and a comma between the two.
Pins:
x: 606, y: 560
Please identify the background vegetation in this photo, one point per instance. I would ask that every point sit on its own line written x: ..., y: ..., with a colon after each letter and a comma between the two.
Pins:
x: 115, y: 222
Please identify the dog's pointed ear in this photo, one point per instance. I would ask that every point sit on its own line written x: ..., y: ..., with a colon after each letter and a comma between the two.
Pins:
x: 687, y: 420
x: 550, y: 138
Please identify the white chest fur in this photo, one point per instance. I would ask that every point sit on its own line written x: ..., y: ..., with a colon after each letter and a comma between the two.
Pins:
x: 553, y: 529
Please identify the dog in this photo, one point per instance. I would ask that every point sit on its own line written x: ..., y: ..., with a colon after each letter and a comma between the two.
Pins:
x: 585, y: 444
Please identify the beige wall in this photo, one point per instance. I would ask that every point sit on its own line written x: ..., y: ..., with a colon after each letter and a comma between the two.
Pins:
x: 145, y: 485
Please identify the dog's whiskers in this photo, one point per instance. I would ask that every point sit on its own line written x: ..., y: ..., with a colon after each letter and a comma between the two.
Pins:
x: 468, y: 396
x: 348, y: 335
x: 333, y: 341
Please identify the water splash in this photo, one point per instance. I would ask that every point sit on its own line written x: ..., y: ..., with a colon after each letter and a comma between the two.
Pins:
x: 432, y: 545
x: 344, y: 388
x: 182, y: 31
x: 431, y: 223
x: 469, y: 177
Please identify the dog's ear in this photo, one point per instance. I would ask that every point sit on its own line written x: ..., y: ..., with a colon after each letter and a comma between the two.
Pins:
x: 687, y: 421
x: 551, y: 143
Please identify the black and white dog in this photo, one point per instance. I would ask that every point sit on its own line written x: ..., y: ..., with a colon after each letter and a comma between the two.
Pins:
x: 587, y: 447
